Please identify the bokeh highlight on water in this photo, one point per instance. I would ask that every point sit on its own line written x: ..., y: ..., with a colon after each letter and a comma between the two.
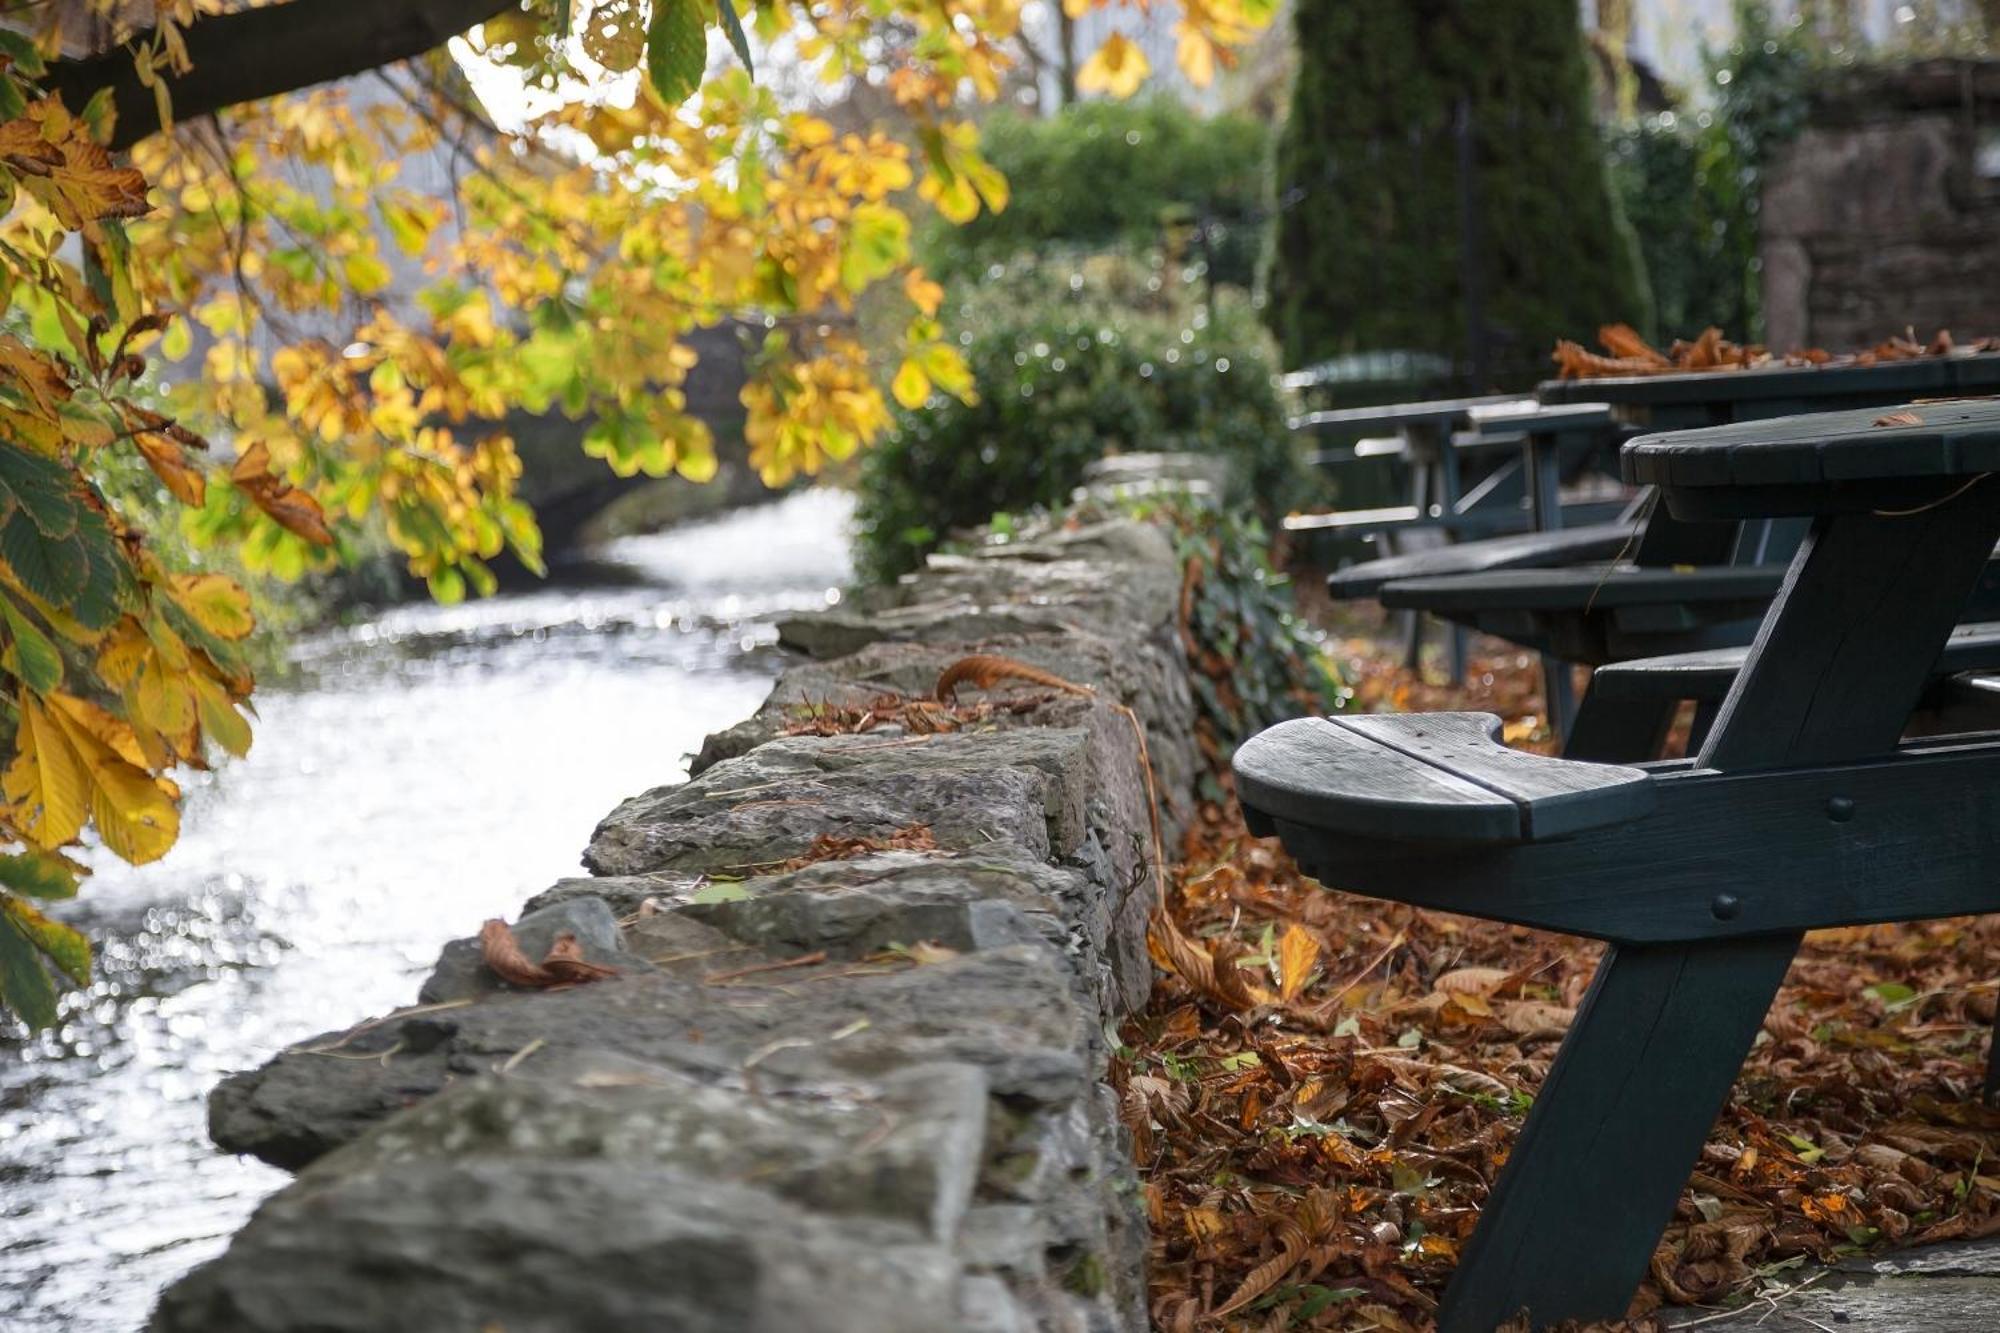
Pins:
x: 429, y: 768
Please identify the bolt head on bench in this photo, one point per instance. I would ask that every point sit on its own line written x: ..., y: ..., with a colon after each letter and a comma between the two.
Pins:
x: 1423, y: 777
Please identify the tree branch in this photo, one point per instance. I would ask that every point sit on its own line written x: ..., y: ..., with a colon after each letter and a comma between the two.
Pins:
x: 258, y: 53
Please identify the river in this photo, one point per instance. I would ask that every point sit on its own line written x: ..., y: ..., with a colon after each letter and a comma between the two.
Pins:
x: 424, y: 770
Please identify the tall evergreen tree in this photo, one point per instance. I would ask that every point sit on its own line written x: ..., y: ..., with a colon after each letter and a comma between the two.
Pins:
x: 1370, y: 249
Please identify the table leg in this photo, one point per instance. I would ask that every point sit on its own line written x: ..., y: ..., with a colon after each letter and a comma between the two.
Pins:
x: 1544, y: 480
x: 1573, y: 1221
x: 1558, y: 695
x: 1422, y: 465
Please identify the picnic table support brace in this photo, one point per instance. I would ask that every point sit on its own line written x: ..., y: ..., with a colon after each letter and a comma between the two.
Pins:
x: 1625, y: 1108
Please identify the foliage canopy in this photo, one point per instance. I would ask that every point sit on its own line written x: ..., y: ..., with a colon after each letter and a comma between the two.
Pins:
x: 1073, y: 360
x: 1370, y: 248
x: 354, y: 330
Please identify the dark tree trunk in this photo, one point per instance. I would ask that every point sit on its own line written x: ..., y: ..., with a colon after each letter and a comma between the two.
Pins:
x: 259, y: 53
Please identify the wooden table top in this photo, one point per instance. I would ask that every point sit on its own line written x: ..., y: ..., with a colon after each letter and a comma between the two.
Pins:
x: 1939, y: 439
x: 1919, y: 377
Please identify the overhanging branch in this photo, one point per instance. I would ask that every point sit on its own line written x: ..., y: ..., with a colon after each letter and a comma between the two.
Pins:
x: 259, y: 53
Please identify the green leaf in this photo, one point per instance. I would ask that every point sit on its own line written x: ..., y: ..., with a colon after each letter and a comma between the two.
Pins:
x: 35, y: 659
x: 1891, y: 993
x: 21, y: 52
x: 82, y: 574
x: 676, y: 49
x: 719, y: 891
x: 25, y: 987
x: 66, y: 948
x: 1318, y: 1298
x: 44, y: 488
x: 38, y: 875
x: 733, y: 25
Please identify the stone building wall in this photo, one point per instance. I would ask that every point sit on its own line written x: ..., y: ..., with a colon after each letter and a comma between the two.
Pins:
x: 860, y: 1095
x: 1886, y: 212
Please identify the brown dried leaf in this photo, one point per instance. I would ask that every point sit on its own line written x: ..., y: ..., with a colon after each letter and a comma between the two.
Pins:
x: 503, y: 956
x: 1298, y: 951
x: 985, y: 670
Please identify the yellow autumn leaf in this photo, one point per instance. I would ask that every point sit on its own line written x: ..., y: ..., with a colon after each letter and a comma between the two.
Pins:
x: 1194, y: 52
x: 170, y: 464
x: 217, y: 603
x: 911, y: 385
x: 924, y: 294
x: 161, y: 698
x: 47, y: 784
x: 1115, y: 69
x: 1298, y: 951
x: 134, y: 813
x: 219, y: 718
x: 108, y: 731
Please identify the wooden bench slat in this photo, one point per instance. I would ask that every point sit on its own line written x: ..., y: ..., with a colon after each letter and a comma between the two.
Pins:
x: 1527, y: 550
x: 1708, y: 674
x: 1429, y: 776
x: 1586, y: 588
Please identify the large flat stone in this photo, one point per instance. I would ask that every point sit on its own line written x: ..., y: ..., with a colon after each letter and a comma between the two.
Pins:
x: 1028, y: 788
x: 1010, y: 1012
x: 904, y: 1147
x: 557, y: 1246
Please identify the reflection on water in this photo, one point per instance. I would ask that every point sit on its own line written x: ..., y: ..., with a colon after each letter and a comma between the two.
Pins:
x: 433, y: 767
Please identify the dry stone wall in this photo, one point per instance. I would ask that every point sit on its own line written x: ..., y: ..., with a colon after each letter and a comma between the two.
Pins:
x: 1885, y: 212
x: 860, y: 1096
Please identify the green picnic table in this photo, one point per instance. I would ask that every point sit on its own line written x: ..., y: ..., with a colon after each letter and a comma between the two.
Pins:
x: 1803, y: 809
x: 1526, y: 601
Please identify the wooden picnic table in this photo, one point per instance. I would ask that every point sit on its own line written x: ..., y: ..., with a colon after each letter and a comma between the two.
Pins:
x: 1703, y: 398
x: 1802, y: 810
x: 1432, y: 438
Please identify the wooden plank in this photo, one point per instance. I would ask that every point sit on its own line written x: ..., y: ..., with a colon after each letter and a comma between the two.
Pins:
x: 1598, y: 541
x: 1941, y: 440
x: 1428, y: 777
x: 1904, y: 837
x: 1314, y: 770
x: 1709, y: 674
x: 1390, y: 416
x: 1555, y: 796
x: 1599, y: 588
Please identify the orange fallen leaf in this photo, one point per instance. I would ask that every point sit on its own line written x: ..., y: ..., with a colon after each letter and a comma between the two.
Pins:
x: 1298, y: 951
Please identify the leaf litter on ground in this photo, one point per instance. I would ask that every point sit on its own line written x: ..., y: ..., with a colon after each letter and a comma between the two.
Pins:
x: 1324, y: 1086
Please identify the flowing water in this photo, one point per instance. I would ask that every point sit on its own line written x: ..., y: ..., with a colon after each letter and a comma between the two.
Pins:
x: 428, y: 769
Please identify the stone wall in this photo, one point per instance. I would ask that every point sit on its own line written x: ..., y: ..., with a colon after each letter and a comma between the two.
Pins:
x: 861, y: 1095
x: 1886, y: 212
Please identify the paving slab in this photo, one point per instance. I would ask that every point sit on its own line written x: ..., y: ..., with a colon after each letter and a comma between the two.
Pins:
x: 1937, y: 1289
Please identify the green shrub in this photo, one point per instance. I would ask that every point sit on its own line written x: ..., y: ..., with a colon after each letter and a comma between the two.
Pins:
x: 1111, y: 355
x: 1696, y: 177
x: 1102, y: 174
x: 1368, y: 249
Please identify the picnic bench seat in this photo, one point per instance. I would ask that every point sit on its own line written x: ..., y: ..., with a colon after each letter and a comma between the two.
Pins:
x: 1523, y: 550
x: 1803, y: 809
x: 1630, y: 706
x: 1598, y: 614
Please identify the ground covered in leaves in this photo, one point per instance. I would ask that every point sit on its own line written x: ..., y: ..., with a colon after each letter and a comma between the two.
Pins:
x: 1320, y: 1106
